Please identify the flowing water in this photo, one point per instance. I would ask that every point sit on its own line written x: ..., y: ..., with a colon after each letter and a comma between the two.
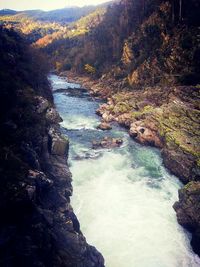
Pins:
x: 122, y: 197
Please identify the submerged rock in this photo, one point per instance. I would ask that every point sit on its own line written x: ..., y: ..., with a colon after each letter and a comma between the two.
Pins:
x: 107, y: 142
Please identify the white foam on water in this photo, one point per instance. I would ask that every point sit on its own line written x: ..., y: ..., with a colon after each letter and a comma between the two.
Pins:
x: 61, y: 83
x: 75, y: 122
x: 132, y: 224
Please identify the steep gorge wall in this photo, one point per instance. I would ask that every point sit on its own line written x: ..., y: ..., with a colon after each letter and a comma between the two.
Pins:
x: 38, y: 226
x: 143, y: 43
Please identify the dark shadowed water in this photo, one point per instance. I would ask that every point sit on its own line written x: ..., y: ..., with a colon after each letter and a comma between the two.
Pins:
x: 123, y: 197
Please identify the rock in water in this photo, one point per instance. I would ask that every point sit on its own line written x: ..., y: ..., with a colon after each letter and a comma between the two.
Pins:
x: 107, y: 142
x: 59, y: 144
x: 53, y: 116
x: 42, y: 105
x: 104, y: 126
x: 144, y: 135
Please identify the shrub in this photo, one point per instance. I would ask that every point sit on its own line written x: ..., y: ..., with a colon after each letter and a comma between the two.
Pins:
x: 90, y: 69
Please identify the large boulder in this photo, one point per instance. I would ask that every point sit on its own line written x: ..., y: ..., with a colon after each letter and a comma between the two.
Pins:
x: 59, y: 145
x: 107, y: 117
x: 145, y: 135
x: 187, y: 210
x: 180, y: 163
x: 188, y: 206
x: 42, y: 104
x: 53, y: 116
x: 125, y: 119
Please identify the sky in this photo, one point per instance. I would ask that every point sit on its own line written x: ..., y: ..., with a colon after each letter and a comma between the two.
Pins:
x: 45, y: 4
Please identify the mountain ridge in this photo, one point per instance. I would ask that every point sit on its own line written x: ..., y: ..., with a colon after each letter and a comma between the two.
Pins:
x: 64, y: 15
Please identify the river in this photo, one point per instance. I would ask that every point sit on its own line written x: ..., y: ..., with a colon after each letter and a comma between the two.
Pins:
x: 122, y: 197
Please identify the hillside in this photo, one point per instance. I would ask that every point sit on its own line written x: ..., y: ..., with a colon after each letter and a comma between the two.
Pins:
x: 68, y: 40
x: 64, y: 15
x: 44, y: 28
x: 137, y: 38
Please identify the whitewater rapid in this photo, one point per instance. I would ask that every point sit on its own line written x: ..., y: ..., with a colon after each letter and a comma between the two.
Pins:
x: 122, y: 197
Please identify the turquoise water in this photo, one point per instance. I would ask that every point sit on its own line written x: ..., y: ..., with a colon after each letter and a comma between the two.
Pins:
x: 123, y: 197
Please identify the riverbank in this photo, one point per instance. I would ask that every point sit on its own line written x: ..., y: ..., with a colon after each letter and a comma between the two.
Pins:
x: 167, y: 118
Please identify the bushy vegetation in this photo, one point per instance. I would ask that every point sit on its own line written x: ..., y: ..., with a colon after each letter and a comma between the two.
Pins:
x: 90, y: 69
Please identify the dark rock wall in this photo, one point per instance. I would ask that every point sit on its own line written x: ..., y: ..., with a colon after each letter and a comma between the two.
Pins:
x: 38, y: 226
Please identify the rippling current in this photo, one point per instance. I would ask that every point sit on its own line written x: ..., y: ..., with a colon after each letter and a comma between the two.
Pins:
x: 122, y: 197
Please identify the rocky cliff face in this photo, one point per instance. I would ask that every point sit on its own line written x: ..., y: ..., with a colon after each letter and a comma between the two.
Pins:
x: 187, y: 209
x: 38, y: 225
